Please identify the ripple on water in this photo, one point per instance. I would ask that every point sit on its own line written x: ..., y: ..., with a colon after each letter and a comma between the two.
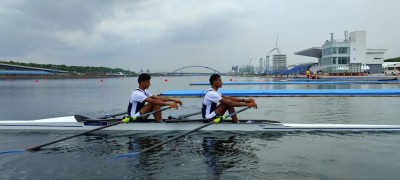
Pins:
x: 201, y: 154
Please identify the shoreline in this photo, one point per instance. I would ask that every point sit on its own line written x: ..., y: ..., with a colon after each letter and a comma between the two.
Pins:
x: 94, y: 76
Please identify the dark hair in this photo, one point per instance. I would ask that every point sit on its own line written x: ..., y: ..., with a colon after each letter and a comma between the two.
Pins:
x: 214, y: 77
x: 143, y: 77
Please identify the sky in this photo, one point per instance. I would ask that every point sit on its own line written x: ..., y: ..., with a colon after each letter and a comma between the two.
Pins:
x: 163, y: 36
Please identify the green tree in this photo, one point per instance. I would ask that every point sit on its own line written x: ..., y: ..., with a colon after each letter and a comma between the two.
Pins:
x: 396, y: 59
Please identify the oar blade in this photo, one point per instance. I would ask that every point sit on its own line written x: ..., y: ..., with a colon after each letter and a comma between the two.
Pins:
x: 13, y: 151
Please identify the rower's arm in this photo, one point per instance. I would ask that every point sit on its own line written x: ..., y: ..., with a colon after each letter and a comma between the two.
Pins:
x: 166, y: 99
x: 156, y: 101
x: 250, y: 100
x: 231, y: 103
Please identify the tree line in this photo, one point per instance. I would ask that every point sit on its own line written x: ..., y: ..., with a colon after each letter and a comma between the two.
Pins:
x: 396, y: 59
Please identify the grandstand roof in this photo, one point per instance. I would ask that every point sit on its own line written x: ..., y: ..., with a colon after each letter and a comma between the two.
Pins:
x: 311, y: 52
x: 32, y: 72
x: 17, y: 67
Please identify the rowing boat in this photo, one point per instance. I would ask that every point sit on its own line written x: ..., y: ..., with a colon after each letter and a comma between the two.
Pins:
x: 70, y: 123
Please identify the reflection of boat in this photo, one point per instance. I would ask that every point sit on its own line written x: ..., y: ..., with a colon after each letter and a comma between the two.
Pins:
x: 69, y: 123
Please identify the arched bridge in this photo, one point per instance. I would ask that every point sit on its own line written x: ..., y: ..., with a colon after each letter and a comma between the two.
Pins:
x: 194, y: 70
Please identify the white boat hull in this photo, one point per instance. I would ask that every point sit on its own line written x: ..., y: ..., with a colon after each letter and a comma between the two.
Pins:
x: 69, y: 123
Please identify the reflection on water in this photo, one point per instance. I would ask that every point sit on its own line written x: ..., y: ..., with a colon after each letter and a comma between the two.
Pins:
x: 223, y: 155
x: 206, y: 155
x: 202, y: 155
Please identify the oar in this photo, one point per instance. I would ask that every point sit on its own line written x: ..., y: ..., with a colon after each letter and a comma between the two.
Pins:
x: 200, y: 120
x: 81, y: 118
x: 217, y: 120
x: 184, y: 116
x: 126, y: 120
x: 113, y: 115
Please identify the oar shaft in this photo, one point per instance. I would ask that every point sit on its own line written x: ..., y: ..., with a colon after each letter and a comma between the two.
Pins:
x: 183, y: 116
x: 152, y: 112
x: 236, y: 112
x: 113, y: 115
x: 82, y: 118
x: 194, y: 130
x: 177, y: 137
x: 188, y: 115
x: 183, y: 120
x: 36, y: 148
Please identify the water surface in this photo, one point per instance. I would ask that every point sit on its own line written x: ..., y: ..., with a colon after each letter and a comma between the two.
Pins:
x: 202, y: 155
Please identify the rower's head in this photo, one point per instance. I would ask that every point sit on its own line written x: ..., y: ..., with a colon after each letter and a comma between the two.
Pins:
x: 215, y: 80
x: 144, y: 80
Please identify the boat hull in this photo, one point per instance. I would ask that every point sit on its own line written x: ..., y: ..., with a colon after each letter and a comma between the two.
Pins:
x: 69, y: 123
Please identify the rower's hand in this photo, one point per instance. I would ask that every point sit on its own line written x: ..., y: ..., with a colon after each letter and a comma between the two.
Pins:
x: 178, y: 102
x: 174, y: 105
x: 252, y: 105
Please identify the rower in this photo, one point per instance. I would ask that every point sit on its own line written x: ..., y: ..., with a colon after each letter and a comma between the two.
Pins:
x: 137, y: 102
x: 308, y: 73
x: 210, y: 109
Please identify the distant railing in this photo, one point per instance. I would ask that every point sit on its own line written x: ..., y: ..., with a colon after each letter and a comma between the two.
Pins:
x: 341, y: 68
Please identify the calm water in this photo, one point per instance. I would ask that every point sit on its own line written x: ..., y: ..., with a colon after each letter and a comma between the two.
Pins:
x: 202, y: 155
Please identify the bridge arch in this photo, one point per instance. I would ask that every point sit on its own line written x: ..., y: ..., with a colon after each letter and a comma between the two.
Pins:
x: 186, y: 67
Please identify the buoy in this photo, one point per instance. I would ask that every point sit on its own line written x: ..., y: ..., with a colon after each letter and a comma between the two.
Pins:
x: 36, y: 81
x: 230, y: 79
x: 101, y: 81
x: 166, y: 80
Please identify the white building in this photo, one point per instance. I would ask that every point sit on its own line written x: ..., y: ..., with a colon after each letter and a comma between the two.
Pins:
x: 348, y: 52
x: 246, y: 69
x: 279, y: 63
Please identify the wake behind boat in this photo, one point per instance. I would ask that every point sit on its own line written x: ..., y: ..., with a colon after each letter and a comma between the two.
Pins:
x: 71, y: 123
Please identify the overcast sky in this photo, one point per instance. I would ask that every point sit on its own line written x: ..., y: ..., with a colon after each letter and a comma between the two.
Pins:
x: 166, y: 35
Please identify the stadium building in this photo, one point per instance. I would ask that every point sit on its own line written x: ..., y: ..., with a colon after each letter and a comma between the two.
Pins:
x: 348, y: 55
